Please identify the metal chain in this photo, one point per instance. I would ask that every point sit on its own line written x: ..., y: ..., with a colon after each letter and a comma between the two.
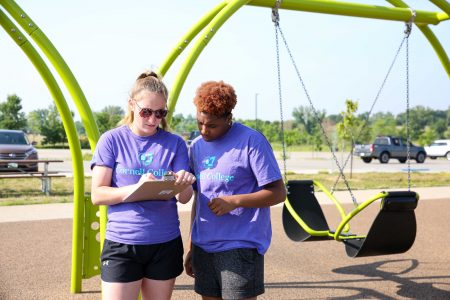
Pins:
x: 318, y: 119
x: 366, y: 120
x: 408, y: 134
x: 275, y: 20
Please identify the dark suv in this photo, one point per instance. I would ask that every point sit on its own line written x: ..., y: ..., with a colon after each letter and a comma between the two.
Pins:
x: 14, y: 145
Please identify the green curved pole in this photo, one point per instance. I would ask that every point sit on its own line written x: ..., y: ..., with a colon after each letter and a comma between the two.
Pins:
x: 357, y: 210
x: 354, y: 10
x: 305, y: 226
x: 60, y: 66
x: 431, y: 37
x: 206, y: 35
x: 442, y: 4
x: 64, y: 111
x: 88, y: 121
x: 335, y: 201
x: 187, y: 38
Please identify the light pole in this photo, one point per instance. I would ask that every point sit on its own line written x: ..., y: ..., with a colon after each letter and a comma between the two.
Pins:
x: 256, y: 111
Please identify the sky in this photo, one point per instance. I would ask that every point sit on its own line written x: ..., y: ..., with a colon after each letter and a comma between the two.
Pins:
x: 107, y: 44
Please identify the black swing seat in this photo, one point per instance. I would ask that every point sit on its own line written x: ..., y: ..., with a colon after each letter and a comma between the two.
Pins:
x: 392, y: 232
x: 300, y: 194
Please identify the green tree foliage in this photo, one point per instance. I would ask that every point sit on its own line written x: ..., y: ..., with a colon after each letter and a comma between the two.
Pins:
x: 49, y: 124
x: 271, y: 130
x: 304, y: 115
x: 423, y: 119
x: 183, y: 125
x: 427, y: 137
x: 108, y: 117
x: 419, y: 118
x: 346, y: 129
x: 11, y: 116
x: 35, y: 120
x: 383, y: 124
x: 303, y: 130
x: 305, y: 118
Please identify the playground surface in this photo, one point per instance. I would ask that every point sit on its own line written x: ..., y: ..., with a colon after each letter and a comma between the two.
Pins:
x: 36, y: 255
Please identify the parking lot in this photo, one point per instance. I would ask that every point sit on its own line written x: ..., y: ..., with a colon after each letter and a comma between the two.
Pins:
x: 313, y: 162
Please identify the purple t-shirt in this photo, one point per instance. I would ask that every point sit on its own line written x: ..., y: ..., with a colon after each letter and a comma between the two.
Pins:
x: 240, y: 162
x: 130, y: 156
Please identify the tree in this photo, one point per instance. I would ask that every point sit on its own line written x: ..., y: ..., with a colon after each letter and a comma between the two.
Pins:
x: 35, y: 120
x: 52, y: 127
x: 11, y: 116
x: 347, y: 128
x: 305, y: 115
x: 306, y: 118
x: 419, y: 118
x: 108, y: 117
x: 184, y: 125
x: 384, y: 124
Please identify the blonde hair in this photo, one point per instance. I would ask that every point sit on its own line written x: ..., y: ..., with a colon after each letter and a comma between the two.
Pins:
x: 151, y: 82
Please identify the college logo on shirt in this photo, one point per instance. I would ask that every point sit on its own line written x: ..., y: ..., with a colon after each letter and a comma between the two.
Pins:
x: 208, y: 162
x: 145, y: 158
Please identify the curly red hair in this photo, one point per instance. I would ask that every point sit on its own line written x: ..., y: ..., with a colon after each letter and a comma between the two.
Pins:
x: 216, y: 98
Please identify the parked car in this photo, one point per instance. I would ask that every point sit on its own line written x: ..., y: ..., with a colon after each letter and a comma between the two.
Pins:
x: 14, y: 145
x: 439, y: 148
x: 386, y: 147
x: 192, y: 136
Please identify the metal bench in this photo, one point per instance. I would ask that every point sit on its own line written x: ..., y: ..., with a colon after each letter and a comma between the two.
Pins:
x: 45, y: 177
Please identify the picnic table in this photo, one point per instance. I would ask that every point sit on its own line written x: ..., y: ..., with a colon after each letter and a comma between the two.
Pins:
x: 10, y: 169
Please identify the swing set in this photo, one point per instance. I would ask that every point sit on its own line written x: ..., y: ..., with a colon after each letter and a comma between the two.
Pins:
x: 302, y: 216
x: 393, y: 230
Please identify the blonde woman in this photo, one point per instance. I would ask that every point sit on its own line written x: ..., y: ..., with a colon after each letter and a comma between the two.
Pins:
x: 143, y: 250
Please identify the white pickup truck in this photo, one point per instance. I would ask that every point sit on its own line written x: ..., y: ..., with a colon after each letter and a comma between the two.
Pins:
x: 439, y: 148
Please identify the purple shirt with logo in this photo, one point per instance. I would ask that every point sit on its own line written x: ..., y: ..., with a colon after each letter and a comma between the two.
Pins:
x: 130, y: 156
x: 240, y: 162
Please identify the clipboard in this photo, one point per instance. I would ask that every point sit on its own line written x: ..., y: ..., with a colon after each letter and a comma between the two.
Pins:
x: 155, y: 190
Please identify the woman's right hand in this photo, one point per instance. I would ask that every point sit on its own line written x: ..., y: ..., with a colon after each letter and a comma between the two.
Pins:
x: 188, y: 264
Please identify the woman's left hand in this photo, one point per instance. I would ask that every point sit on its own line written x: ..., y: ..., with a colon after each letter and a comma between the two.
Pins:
x: 184, y: 177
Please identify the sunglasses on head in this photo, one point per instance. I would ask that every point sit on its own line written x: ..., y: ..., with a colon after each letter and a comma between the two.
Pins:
x: 148, y: 112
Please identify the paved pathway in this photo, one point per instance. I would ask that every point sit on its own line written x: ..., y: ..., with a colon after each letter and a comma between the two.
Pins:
x: 65, y: 210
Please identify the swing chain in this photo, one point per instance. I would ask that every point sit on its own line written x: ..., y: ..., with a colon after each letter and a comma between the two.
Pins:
x: 410, y: 22
x: 369, y: 114
x: 275, y: 14
x: 315, y: 112
x: 408, y: 132
x: 283, y: 143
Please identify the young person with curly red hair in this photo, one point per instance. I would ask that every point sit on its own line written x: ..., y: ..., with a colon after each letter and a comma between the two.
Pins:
x: 143, y: 250
x: 238, y: 179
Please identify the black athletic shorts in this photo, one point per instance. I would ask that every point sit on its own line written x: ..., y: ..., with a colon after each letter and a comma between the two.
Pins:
x: 232, y: 274
x: 127, y: 263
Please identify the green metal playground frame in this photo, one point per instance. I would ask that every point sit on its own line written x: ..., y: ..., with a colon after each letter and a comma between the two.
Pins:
x: 86, y: 218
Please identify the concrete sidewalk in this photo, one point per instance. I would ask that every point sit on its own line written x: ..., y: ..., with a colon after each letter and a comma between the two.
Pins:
x: 36, y: 212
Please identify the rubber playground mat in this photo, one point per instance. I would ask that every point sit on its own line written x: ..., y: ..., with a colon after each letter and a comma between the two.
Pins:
x: 36, y: 255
